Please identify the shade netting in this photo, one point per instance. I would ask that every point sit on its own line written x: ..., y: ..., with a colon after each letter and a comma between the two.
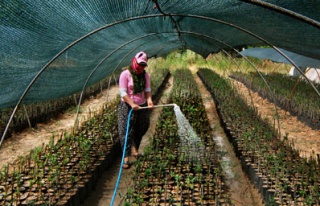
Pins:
x: 53, y: 48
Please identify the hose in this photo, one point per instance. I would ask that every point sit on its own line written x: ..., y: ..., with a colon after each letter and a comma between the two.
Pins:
x: 122, y: 160
x: 125, y: 146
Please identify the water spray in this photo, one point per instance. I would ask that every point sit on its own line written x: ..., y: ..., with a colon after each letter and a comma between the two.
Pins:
x: 189, y: 139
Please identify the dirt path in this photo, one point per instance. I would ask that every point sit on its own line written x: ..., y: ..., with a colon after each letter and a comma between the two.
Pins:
x: 242, y: 191
x: 20, y: 144
x: 103, y: 193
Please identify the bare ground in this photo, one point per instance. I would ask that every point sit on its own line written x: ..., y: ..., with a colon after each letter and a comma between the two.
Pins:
x: 21, y: 143
x: 242, y: 192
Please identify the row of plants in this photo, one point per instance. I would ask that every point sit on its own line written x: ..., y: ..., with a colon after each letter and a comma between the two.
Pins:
x: 32, y: 114
x: 290, y: 93
x: 159, y: 79
x: 64, y: 171
x: 274, y: 167
x: 176, y: 168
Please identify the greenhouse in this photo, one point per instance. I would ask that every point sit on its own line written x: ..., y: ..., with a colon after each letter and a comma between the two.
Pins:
x: 230, y: 124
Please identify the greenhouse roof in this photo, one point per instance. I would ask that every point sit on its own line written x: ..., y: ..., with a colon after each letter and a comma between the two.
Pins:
x: 53, y: 48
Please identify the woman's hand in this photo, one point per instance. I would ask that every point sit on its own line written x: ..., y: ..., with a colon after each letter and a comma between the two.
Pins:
x: 149, y: 99
x: 150, y: 103
x: 135, y: 106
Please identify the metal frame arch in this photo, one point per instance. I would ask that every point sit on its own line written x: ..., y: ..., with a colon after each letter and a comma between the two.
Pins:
x: 98, y: 65
x: 239, y: 68
x: 256, y: 36
x: 59, y: 54
x: 249, y: 91
x: 124, y: 59
x: 116, y: 67
x: 194, y: 33
x: 277, y: 113
x: 199, y: 34
x: 104, y: 59
x: 131, y: 19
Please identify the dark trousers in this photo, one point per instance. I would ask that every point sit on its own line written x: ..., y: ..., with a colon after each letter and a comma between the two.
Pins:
x: 139, y: 124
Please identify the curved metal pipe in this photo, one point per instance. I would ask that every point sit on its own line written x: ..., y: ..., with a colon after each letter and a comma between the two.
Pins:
x: 249, y: 90
x: 239, y: 68
x: 258, y: 37
x: 99, y: 64
x: 125, y: 56
x: 56, y: 56
x: 285, y: 11
x: 265, y: 81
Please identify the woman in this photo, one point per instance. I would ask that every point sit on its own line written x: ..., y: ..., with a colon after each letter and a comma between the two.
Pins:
x: 135, y: 92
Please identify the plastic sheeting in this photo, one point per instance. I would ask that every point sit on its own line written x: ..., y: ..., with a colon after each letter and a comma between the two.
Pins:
x: 53, y: 48
x: 269, y: 53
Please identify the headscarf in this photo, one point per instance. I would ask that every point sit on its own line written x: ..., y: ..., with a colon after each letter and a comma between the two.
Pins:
x: 138, y: 76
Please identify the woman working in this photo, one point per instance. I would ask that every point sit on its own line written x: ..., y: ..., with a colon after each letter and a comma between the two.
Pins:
x: 135, y: 92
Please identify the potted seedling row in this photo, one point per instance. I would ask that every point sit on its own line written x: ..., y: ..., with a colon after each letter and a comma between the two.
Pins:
x: 290, y: 93
x: 174, y: 171
x: 64, y: 171
x: 29, y: 115
x: 55, y: 173
x: 282, y: 176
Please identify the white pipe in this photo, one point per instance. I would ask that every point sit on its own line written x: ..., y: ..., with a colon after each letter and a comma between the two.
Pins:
x: 162, y: 105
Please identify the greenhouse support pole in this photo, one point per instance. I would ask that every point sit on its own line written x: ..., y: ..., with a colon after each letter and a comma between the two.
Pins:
x: 27, y: 116
x: 107, y: 93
